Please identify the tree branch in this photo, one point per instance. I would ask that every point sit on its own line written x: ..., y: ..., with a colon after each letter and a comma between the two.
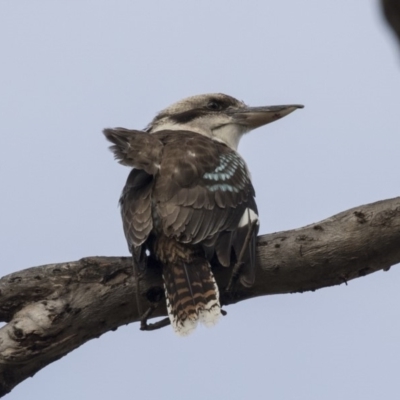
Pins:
x: 391, y: 11
x: 53, y: 309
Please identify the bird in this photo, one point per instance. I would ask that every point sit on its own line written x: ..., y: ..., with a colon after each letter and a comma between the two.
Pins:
x: 189, y: 201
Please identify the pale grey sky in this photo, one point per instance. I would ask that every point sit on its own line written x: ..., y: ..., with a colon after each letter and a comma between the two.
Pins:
x: 69, y: 69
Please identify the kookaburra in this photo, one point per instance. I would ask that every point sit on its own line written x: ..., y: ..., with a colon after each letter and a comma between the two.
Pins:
x: 189, y: 198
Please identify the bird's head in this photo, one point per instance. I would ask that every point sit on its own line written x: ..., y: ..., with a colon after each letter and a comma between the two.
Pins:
x: 218, y: 116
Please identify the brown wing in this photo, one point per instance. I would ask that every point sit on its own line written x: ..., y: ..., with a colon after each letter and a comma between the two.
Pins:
x: 136, y: 205
x: 142, y: 151
x: 202, y: 191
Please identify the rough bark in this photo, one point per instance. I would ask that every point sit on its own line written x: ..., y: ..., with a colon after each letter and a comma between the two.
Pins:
x: 53, y: 309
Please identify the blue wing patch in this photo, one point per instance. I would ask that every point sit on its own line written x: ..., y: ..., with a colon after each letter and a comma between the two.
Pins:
x: 229, y: 165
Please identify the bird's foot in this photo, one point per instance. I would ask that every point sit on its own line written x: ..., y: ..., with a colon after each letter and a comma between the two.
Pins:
x: 145, y: 326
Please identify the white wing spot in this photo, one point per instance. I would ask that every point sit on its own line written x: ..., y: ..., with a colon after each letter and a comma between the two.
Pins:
x: 248, y: 216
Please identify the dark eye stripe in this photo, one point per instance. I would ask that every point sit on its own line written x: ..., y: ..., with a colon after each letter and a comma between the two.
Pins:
x: 187, y: 116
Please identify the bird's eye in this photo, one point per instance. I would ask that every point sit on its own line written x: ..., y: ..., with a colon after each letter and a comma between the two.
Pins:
x: 213, y: 105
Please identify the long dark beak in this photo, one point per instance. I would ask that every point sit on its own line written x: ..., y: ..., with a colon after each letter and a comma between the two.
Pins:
x: 254, y: 117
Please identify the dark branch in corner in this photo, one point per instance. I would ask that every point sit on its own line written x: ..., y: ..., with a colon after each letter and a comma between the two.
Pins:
x: 53, y: 309
x: 391, y: 11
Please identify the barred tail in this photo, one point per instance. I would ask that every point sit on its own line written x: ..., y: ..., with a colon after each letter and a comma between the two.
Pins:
x: 192, y: 295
